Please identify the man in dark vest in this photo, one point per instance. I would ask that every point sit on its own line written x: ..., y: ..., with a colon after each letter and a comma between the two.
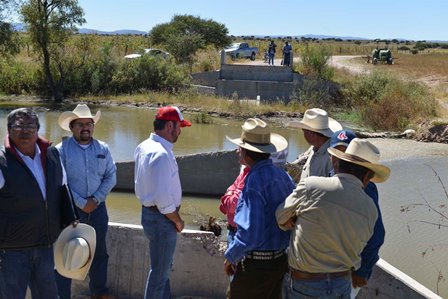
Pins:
x: 31, y: 177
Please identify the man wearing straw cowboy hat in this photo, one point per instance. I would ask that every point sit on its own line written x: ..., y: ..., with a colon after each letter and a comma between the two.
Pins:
x: 331, y: 218
x: 317, y: 129
x: 256, y: 256
x: 91, y: 176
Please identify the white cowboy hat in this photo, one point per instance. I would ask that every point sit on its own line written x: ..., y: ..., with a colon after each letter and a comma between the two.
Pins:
x: 74, y: 250
x: 363, y: 153
x: 257, y: 137
x: 317, y: 120
x: 81, y: 111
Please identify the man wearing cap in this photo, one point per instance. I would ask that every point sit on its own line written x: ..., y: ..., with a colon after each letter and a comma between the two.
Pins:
x: 317, y: 129
x: 31, y: 176
x: 256, y: 256
x: 91, y: 175
x: 331, y: 218
x: 157, y: 186
x: 369, y: 255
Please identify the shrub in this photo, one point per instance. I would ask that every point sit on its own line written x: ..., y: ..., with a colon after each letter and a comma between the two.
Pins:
x: 388, y: 103
x: 314, y: 62
x: 18, y: 77
x: 315, y: 93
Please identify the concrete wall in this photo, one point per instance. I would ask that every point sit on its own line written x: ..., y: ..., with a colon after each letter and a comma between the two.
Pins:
x: 267, y: 90
x: 255, y: 73
x: 206, y: 173
x: 198, y: 268
x: 205, y: 78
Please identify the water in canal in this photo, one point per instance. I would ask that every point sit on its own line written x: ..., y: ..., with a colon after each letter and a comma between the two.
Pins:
x: 415, y: 247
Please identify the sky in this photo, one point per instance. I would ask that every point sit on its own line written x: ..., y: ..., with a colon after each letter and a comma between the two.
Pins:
x: 407, y: 19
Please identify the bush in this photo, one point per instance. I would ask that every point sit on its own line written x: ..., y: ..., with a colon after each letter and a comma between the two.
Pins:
x: 315, y: 93
x: 388, y: 103
x: 19, y: 77
x: 314, y: 62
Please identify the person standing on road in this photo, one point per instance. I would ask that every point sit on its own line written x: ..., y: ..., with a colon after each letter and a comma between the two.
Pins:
x: 91, y: 175
x: 287, y: 49
x: 31, y: 180
x: 157, y: 186
x: 271, y: 52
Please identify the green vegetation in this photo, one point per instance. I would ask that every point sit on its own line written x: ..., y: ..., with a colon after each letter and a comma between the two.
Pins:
x: 386, y: 102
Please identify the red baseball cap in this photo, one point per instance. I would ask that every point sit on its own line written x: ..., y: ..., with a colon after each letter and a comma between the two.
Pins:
x: 172, y: 113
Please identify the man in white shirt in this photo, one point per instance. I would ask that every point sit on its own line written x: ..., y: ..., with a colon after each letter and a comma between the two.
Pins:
x: 157, y: 186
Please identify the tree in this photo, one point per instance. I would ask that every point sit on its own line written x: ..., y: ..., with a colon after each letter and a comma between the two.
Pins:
x: 50, y: 24
x: 199, y: 32
x: 9, y: 40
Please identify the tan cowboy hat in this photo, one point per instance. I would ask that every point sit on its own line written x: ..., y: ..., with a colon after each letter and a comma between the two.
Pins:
x: 74, y: 250
x: 257, y: 137
x: 317, y: 120
x: 363, y: 153
x: 81, y: 111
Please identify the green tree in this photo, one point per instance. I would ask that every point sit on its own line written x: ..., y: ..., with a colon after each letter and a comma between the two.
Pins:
x: 9, y: 40
x: 201, y: 33
x: 50, y: 24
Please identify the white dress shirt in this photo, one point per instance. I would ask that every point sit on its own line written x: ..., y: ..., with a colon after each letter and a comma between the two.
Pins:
x: 156, y: 174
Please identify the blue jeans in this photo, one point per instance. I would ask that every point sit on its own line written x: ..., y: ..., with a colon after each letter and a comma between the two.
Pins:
x: 33, y: 267
x: 99, y: 220
x: 162, y: 235
x: 330, y: 288
x: 271, y: 58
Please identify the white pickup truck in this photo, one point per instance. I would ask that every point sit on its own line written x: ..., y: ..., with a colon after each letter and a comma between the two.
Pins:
x: 241, y: 50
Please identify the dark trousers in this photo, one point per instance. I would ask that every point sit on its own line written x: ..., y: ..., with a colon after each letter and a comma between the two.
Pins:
x: 99, y: 220
x: 27, y: 267
x: 259, y: 279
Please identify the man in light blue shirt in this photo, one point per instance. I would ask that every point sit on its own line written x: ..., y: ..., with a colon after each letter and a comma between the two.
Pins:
x: 91, y: 175
x: 157, y: 186
x: 257, y: 255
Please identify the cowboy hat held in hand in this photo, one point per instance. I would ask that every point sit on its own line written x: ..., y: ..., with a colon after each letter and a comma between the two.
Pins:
x: 257, y: 137
x: 317, y: 120
x: 81, y: 111
x: 363, y: 153
x: 74, y: 250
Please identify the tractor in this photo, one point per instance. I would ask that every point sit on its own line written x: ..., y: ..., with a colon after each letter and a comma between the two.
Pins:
x: 382, y: 55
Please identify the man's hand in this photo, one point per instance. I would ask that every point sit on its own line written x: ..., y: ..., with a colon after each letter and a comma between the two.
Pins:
x: 291, y: 223
x: 180, y: 225
x: 229, y: 268
x: 358, y: 281
x: 90, y: 205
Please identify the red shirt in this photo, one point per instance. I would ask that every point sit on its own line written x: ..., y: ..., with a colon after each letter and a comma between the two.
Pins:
x: 230, y: 199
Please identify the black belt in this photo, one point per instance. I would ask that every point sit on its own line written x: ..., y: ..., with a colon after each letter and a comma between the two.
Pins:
x: 265, y: 255
x: 154, y: 208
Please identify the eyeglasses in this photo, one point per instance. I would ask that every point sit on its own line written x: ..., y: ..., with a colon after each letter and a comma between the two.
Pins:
x: 82, y: 125
x: 29, y: 127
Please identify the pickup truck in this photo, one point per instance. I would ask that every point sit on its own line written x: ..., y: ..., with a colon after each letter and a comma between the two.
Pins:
x: 241, y: 50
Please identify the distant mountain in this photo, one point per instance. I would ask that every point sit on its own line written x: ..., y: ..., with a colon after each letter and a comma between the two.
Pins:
x: 116, y: 32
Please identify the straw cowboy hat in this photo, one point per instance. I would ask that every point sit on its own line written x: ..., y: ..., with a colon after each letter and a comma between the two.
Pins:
x: 317, y: 120
x: 363, y: 153
x: 74, y: 250
x: 81, y: 111
x: 257, y: 137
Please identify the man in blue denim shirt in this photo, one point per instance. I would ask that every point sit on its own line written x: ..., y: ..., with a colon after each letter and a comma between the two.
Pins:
x: 91, y: 175
x: 256, y: 257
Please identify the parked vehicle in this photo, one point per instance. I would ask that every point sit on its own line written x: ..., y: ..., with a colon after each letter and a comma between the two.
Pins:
x: 152, y: 52
x: 241, y: 50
